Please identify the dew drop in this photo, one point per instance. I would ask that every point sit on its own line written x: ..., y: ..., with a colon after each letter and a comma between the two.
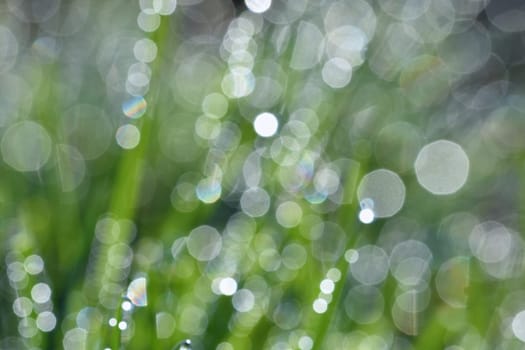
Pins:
x: 258, y: 6
x: 135, y: 107
x: 266, y: 124
x: 122, y: 325
x: 183, y: 345
x: 366, y: 216
x: 137, y: 292
x: 128, y: 136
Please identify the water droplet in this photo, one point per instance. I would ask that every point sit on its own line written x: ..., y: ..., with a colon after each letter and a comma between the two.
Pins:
x: 320, y: 306
x: 337, y: 72
x: 137, y: 292
x: 258, y: 6
x: 208, y: 190
x: 204, y: 243
x: 128, y: 136
x: 46, y: 321
x: 266, y: 124
x: 135, y: 107
x: 442, y: 167
x: 183, y: 345
x: 518, y: 326
x: 384, y: 191
x: 126, y: 305
x: 26, y: 146
x: 366, y: 216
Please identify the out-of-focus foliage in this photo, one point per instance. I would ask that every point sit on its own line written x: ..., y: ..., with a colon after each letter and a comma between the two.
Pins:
x: 302, y: 174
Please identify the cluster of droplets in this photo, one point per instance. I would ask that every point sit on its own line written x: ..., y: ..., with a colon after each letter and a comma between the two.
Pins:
x: 304, y: 165
x: 441, y: 168
x: 33, y: 304
x: 139, y: 73
x: 327, y: 288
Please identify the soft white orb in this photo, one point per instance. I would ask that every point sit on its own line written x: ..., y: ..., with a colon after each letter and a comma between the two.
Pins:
x: 266, y: 124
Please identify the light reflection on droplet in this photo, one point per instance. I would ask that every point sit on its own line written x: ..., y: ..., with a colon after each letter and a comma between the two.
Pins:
x: 26, y: 146
x: 135, y: 107
x: 351, y: 256
x: 204, y: 243
x: 347, y: 42
x: 137, y: 292
x: 490, y: 242
x: 243, y: 300
x: 409, y: 262
x: 407, y: 322
x: 358, y: 13
x: 326, y: 181
x: 145, y: 50
x: 22, y: 306
x: 41, y: 293
x: 148, y: 22
x: 120, y: 255
x: 411, y: 271
x: 126, y: 305
x: 208, y: 190
x: 122, y: 325
x: 258, y: 6
x: 128, y: 136
x: 34, y: 264
x: 305, y: 343
x: 239, y: 82
x: 366, y: 215
x: 164, y: 7
x: 266, y: 124
x: 112, y: 322
x: 518, y: 325
x: 215, y: 105
x: 255, y: 202
x: 442, y: 167
x: 269, y: 260
x: 385, y: 190
x: 228, y: 286
x: 46, y: 321
x: 184, y: 345
x: 327, y: 286
x: 27, y: 327
x: 320, y: 306
x: 334, y: 274
x: 289, y: 214
x: 413, y: 300
x: 337, y: 72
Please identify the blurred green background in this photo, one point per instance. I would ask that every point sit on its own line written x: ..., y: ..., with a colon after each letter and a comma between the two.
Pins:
x: 301, y: 174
